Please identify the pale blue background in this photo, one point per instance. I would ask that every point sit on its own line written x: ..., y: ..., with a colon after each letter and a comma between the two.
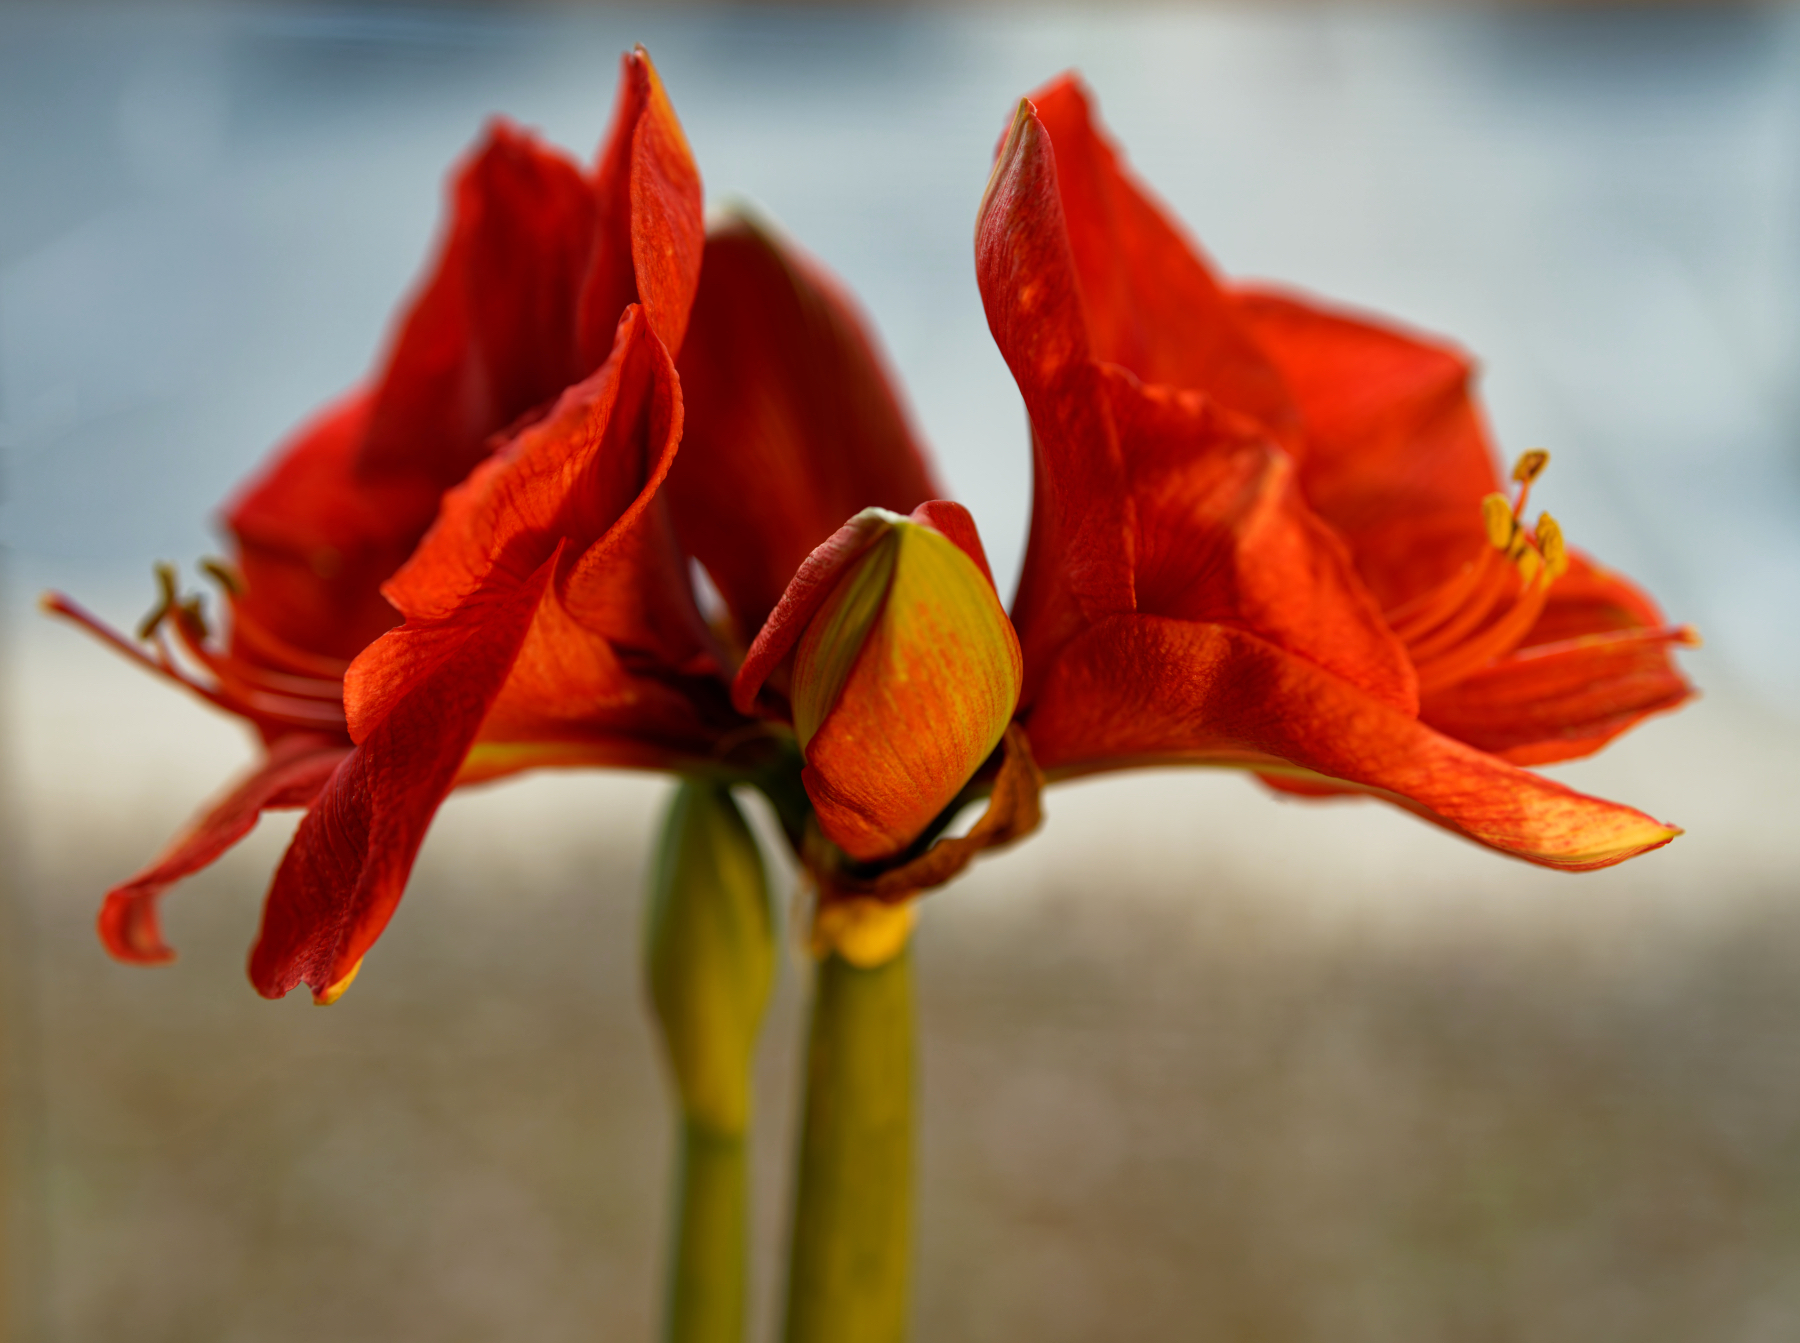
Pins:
x: 208, y: 216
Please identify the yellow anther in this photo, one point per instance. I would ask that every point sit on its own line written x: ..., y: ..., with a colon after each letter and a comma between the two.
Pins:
x: 1550, y: 541
x: 166, y: 600
x: 1497, y: 514
x: 1530, y: 564
x: 1530, y: 465
x: 224, y: 575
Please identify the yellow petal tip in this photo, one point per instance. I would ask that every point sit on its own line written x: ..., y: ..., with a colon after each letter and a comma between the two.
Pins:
x: 337, y: 990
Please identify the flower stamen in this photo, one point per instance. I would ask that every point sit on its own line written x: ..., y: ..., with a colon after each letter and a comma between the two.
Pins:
x: 273, y: 695
x: 1483, y: 611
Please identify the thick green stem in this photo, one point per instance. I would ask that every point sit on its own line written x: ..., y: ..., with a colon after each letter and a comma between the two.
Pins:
x: 848, y: 1270
x: 710, y: 954
x: 706, y: 1258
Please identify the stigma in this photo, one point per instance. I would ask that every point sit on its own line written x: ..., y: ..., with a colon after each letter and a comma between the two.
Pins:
x: 1485, y: 610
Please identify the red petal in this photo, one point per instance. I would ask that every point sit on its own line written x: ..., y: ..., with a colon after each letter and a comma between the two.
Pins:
x: 344, y: 873
x: 1208, y: 694
x: 492, y: 333
x: 1591, y: 600
x: 1152, y: 303
x: 1597, y: 662
x: 651, y: 223
x: 586, y: 477
x: 316, y: 540
x: 812, y: 584
x: 792, y: 421
x: 295, y: 770
x: 954, y: 523
x: 1562, y: 701
x: 522, y: 604
x: 1150, y: 497
x: 1396, y: 456
x: 1078, y: 562
x: 1224, y: 536
x: 587, y: 467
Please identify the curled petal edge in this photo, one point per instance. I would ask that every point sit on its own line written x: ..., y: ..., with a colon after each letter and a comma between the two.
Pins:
x: 294, y: 774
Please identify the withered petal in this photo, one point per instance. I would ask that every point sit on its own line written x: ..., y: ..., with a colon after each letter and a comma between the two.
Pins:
x: 1014, y: 809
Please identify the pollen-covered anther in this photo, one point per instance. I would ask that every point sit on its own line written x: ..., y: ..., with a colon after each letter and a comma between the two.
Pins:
x: 1530, y: 465
x: 168, y: 597
x: 1497, y: 515
x: 1550, y: 545
x: 224, y: 574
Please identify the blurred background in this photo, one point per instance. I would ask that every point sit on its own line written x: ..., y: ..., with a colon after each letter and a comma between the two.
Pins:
x: 1198, y: 1064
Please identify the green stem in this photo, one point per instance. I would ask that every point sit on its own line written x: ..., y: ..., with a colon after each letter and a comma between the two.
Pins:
x: 710, y: 957
x: 706, y: 1260
x: 847, y: 1275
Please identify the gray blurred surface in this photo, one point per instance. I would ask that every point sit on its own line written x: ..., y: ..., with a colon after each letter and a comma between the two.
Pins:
x: 1198, y: 1064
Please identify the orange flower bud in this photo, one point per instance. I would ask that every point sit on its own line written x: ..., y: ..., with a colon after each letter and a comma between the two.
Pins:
x: 904, y: 672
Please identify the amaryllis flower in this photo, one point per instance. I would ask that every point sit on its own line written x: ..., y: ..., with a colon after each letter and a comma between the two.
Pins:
x: 1270, y: 534
x: 550, y: 613
x: 538, y: 260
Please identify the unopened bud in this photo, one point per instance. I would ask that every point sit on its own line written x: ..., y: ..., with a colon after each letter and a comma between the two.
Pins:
x: 710, y: 947
x: 904, y: 679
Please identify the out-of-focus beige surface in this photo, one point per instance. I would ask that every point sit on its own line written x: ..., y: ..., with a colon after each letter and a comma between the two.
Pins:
x: 1198, y: 1063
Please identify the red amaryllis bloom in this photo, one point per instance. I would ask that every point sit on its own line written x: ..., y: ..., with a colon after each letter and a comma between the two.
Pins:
x: 1271, y: 535
x: 538, y: 260
x: 550, y: 612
